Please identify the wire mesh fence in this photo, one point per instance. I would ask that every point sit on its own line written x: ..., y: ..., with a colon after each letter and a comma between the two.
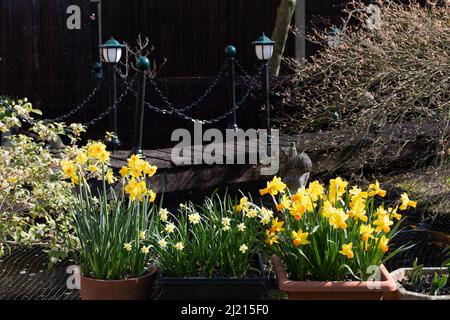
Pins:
x: 24, y: 275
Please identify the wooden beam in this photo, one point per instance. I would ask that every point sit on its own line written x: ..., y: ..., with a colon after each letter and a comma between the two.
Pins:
x: 300, y: 43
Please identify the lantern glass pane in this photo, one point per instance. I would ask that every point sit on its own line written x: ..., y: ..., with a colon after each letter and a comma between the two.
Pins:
x: 264, y: 52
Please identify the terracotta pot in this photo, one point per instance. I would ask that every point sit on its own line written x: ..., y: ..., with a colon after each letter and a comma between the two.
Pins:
x: 335, y: 290
x: 403, y: 294
x: 130, y: 289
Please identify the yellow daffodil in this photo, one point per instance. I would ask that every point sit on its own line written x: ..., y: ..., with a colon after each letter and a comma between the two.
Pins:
x: 285, y: 203
x: 271, y: 238
x: 338, y: 219
x: 243, y: 248
x: 150, y: 170
x: 274, y: 187
x: 347, y: 250
x: 277, y: 226
x: 128, y: 247
x: 243, y: 204
x: 358, y: 211
x: 142, y: 235
x: 380, y: 212
x: 69, y: 168
x: 337, y: 189
x: 145, y: 250
x: 357, y: 197
x: 136, y: 190
x: 241, y: 227
x: 96, y: 149
x: 316, y: 190
x: 297, y: 210
x: 366, y: 232
x: 406, y: 203
x: 383, y: 245
x: 179, y: 246
x: 152, y: 195
x: 394, y: 214
x: 81, y: 158
x: 383, y: 223
x: 299, y: 238
x: 194, y: 218
x: 375, y: 190
x: 75, y: 180
x: 92, y: 168
x: 110, y: 177
x: 124, y: 172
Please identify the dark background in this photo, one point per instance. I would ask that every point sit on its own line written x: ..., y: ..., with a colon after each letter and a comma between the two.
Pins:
x: 42, y: 60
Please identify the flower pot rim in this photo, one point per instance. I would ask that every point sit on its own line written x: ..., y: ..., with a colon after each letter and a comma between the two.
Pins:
x: 387, y: 284
x: 258, y: 257
x: 150, y: 273
x: 399, y: 274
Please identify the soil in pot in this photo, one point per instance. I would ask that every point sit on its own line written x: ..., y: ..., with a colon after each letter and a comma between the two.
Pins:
x: 425, y: 286
x: 141, y: 288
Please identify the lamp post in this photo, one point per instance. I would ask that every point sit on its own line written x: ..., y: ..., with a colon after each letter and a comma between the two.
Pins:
x: 230, y: 52
x: 97, y: 71
x: 143, y: 65
x: 111, y: 53
x: 264, y: 51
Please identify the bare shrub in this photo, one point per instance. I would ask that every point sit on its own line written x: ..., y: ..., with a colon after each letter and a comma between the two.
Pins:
x: 377, y: 77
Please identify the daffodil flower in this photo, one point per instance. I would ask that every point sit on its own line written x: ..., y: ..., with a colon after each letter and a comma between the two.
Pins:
x: 347, y: 250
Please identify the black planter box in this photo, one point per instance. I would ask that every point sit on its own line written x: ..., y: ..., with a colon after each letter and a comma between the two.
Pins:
x: 213, y: 288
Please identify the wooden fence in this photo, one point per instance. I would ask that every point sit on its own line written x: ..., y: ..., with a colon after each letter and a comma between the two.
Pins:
x: 51, y: 65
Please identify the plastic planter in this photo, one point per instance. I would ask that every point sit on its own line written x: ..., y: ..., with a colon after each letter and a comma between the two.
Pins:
x: 403, y: 294
x: 335, y: 290
x: 220, y: 288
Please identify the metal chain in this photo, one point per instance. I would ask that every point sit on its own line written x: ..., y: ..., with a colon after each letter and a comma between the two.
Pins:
x: 78, y: 108
x: 112, y: 107
x: 196, y: 102
x: 254, y: 84
x: 241, y: 68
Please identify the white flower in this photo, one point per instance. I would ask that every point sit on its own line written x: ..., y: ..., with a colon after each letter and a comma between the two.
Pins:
x: 241, y: 227
x: 251, y: 213
x: 226, y: 222
x: 164, y: 214
x: 179, y: 246
x: 194, y: 218
x: 170, y: 228
x: 127, y: 246
x: 162, y: 243
x: 243, y: 248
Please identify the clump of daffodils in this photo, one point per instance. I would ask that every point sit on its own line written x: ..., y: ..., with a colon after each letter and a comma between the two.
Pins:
x: 112, y: 227
x: 332, y: 232
x: 218, y: 238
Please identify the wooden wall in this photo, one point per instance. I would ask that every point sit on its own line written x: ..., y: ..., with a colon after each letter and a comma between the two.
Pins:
x: 51, y: 65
